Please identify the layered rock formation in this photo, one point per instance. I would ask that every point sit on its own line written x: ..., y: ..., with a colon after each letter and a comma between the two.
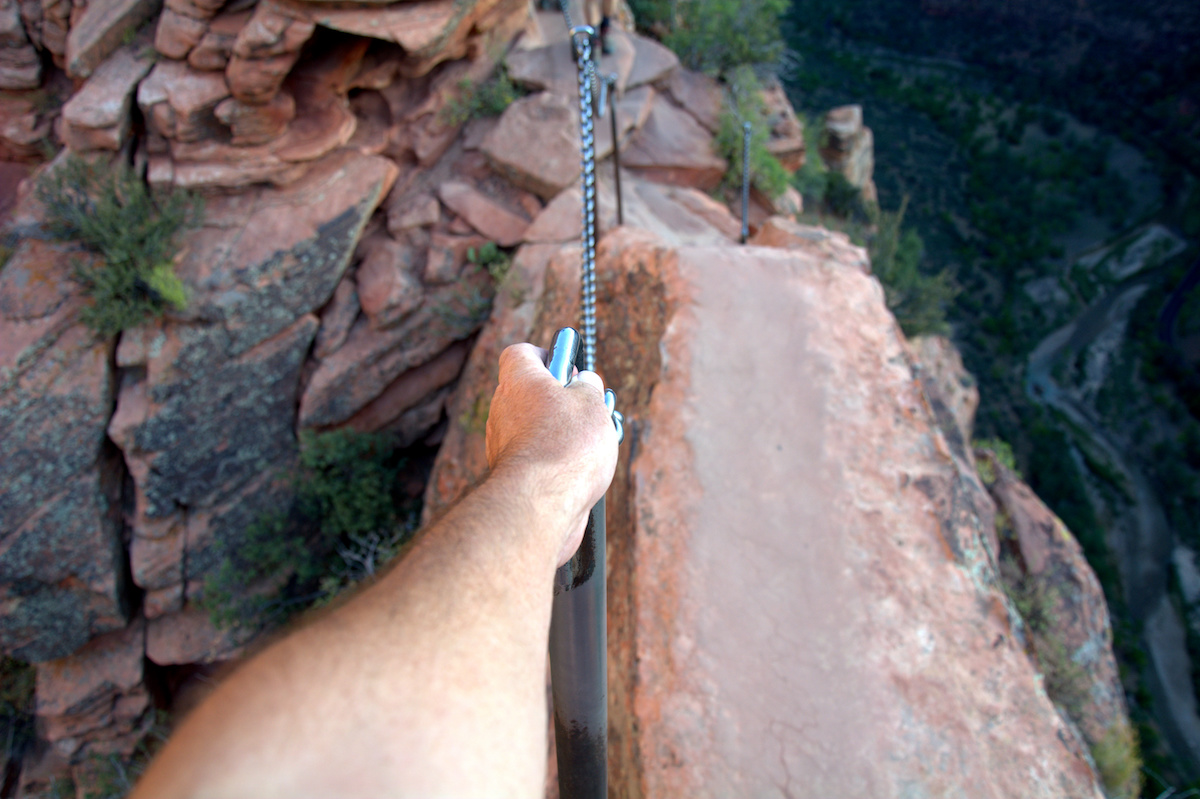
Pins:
x: 329, y: 286
x: 848, y: 148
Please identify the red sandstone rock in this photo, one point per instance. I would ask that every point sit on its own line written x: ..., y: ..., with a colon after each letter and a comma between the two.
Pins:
x: 189, y: 637
x: 20, y: 64
x: 849, y: 147
x: 97, y: 117
x: 420, y: 211
x: 22, y: 127
x: 337, y: 318
x: 446, y: 256
x: 1048, y: 563
x: 344, y: 383
x: 786, y: 140
x: 560, y: 221
x: 699, y: 95
x: 409, y: 389
x: 804, y: 546
x: 179, y: 101
x: 490, y: 219
x: 788, y: 234
x: 672, y: 147
x: 413, y: 26
x: 84, y: 691
x: 652, y: 62
x: 177, y: 34
x: 554, y: 164
x: 950, y: 386
x: 99, y: 30
x: 256, y: 124
x: 215, y: 48
x: 387, y: 288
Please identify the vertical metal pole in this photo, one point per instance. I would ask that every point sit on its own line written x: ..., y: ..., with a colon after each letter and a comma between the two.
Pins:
x: 746, y: 127
x: 612, y: 107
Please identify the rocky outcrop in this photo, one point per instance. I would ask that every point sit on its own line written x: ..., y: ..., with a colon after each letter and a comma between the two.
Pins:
x: 60, y: 574
x: 771, y: 489
x: 848, y: 147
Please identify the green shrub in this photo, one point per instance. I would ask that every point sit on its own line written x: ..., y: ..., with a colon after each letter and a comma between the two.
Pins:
x: 917, y: 299
x: 744, y: 104
x: 131, y: 229
x: 717, y: 36
x: 1118, y: 758
x: 343, y: 522
x: 490, y: 257
x: 812, y: 178
x: 1002, y: 452
x: 486, y: 99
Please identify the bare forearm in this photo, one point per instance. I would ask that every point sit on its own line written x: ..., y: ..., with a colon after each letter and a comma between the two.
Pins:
x: 430, y: 682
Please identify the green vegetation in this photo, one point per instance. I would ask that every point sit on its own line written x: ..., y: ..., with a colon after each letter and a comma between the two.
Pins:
x: 492, y: 259
x: 17, y: 682
x: 918, y: 299
x: 1118, y: 757
x: 113, y: 776
x: 1002, y: 452
x: 718, y: 36
x: 132, y: 232
x: 344, y: 522
x: 486, y: 99
x: 744, y: 104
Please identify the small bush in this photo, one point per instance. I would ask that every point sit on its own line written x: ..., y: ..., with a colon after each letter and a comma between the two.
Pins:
x: 744, y: 104
x: 917, y: 299
x: 490, y: 257
x: 344, y: 521
x: 486, y: 99
x: 1001, y: 451
x: 1118, y: 758
x: 113, y: 214
x: 812, y: 178
x: 717, y: 36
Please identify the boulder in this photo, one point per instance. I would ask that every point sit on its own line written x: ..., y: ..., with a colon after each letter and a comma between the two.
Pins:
x: 23, y: 127
x: 189, y: 637
x: 178, y: 102
x: 337, y: 318
x: 215, y: 48
x: 256, y: 124
x: 786, y: 140
x: 420, y: 211
x: 483, y: 214
x: 97, y: 117
x: 97, y: 692
x: 552, y: 122
x: 652, y: 62
x: 446, y: 256
x: 699, y: 95
x: 177, y: 34
x: 560, y: 221
x: 848, y: 147
x: 387, y: 288
x: 359, y: 371
x: 100, y: 29
x: 61, y: 574
x: 408, y: 390
x: 672, y: 147
x: 1067, y: 618
x: 20, y: 64
x: 788, y: 234
x: 804, y: 547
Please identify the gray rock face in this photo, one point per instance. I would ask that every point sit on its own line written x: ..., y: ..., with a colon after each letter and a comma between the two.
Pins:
x: 60, y: 553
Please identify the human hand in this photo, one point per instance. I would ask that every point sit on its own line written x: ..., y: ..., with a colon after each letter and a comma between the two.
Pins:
x: 560, y: 443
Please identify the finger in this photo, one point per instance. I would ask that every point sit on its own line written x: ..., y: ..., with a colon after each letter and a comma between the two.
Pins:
x: 591, y: 379
x: 522, y: 358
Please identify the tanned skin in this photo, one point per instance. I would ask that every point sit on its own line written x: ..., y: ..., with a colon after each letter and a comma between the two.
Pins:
x: 431, y: 681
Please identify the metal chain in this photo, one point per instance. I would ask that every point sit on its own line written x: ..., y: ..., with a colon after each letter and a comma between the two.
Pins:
x: 581, y: 38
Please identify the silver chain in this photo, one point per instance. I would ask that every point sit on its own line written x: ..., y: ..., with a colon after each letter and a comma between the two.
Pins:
x: 581, y: 39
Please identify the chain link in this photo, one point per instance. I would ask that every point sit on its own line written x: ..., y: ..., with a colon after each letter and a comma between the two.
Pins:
x: 581, y: 38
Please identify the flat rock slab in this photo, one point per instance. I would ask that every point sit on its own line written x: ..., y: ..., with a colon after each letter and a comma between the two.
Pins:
x: 97, y: 116
x: 802, y: 599
x: 101, y: 29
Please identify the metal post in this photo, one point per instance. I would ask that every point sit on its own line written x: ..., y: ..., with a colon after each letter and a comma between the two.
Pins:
x: 746, y: 127
x: 611, y: 80
x: 579, y: 639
